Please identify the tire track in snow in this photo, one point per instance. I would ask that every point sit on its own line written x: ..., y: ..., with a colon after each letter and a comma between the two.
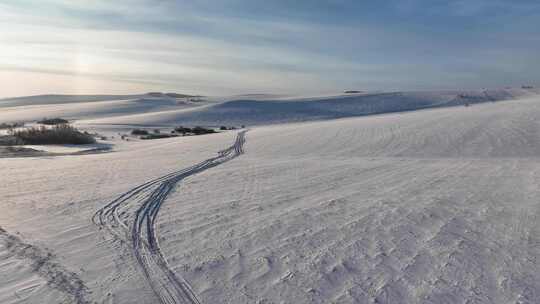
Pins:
x: 138, y: 227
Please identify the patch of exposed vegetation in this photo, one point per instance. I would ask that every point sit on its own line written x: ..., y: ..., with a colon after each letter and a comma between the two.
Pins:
x: 10, y: 140
x: 7, y: 126
x: 57, y: 135
x: 158, y: 136
x: 171, y: 95
x: 193, y: 131
x: 53, y: 121
x: 178, y: 131
x: 176, y: 95
x: 225, y: 128
x: 139, y: 132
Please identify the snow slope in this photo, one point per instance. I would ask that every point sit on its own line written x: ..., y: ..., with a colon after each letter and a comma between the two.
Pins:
x: 28, y: 109
x: 432, y: 206
x: 60, y: 99
x: 110, y: 112
x: 438, y: 206
x: 285, y: 110
x: 28, y: 273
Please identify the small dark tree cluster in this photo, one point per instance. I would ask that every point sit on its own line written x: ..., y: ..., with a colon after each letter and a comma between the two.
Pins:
x: 201, y: 130
x: 182, y: 130
x: 225, y: 128
x: 10, y: 140
x: 53, y: 121
x: 139, y: 132
x: 4, y: 125
x: 193, y: 131
x: 57, y: 135
x: 158, y: 136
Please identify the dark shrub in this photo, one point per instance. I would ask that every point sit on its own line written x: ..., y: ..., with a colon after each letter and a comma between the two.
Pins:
x: 182, y: 130
x: 53, y: 121
x: 194, y: 131
x: 176, y: 95
x: 59, y: 134
x: 4, y: 126
x: 10, y: 140
x: 158, y: 136
x: 200, y: 130
x: 139, y: 132
x: 223, y: 128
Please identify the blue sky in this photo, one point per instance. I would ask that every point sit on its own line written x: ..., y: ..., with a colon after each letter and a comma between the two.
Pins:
x: 255, y: 46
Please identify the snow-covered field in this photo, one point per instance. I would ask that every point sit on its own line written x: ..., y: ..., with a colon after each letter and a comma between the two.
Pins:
x: 439, y: 205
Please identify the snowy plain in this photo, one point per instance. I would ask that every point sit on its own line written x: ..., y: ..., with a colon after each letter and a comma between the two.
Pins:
x: 438, y: 205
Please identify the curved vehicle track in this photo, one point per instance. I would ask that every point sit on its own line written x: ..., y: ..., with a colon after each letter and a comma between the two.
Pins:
x: 132, y: 216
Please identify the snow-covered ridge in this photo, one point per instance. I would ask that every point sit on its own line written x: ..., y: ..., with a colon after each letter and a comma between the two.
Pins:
x: 285, y: 110
x: 255, y: 109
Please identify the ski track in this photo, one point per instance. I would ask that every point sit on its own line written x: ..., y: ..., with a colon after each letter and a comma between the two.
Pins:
x: 138, y: 227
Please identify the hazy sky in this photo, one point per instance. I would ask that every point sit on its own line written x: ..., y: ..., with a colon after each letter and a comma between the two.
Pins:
x: 257, y: 46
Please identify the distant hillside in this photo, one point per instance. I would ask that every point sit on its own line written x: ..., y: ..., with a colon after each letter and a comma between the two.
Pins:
x: 264, y: 112
x: 61, y: 99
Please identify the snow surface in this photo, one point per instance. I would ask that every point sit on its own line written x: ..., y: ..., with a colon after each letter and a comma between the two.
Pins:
x: 432, y: 206
x: 29, y: 109
x: 253, y: 111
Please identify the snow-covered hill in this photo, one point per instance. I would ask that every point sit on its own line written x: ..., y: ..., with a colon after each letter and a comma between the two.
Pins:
x: 432, y: 206
x: 145, y: 110
x: 263, y: 112
x: 33, y: 108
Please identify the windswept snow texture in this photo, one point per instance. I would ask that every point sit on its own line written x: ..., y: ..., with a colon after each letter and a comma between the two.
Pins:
x: 434, y: 206
x: 30, y: 272
x: 168, y: 286
x: 439, y: 206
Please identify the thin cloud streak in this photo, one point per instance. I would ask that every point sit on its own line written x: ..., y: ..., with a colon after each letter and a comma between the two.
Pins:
x: 301, y: 47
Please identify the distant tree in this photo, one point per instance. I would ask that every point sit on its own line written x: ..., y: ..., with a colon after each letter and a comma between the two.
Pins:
x: 139, y: 132
x: 182, y: 130
x: 59, y: 134
x: 200, y: 130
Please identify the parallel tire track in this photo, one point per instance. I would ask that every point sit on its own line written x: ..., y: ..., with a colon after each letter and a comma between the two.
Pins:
x: 138, y: 227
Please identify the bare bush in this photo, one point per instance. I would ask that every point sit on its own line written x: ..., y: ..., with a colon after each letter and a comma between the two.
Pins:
x: 53, y: 121
x: 59, y: 134
x: 139, y: 132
